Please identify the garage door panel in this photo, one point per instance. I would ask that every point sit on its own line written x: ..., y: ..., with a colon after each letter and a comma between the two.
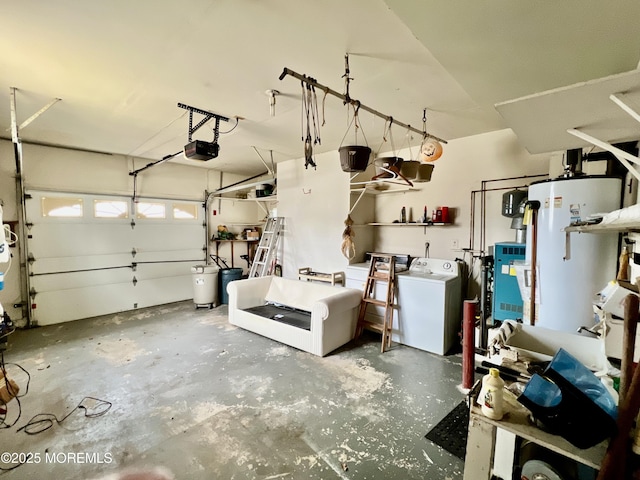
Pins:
x: 85, y: 239
x: 88, y: 301
x: 66, y: 281
x: 86, y: 262
x: 161, y: 270
x: 171, y: 236
x: 192, y: 255
x: 150, y: 292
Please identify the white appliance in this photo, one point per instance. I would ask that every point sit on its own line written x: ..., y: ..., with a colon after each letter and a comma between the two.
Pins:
x: 567, y: 287
x: 428, y: 303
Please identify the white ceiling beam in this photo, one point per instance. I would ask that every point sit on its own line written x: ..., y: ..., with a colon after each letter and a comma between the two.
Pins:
x: 618, y: 99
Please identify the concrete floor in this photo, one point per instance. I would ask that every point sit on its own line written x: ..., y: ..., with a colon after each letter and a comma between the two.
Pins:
x: 210, y: 401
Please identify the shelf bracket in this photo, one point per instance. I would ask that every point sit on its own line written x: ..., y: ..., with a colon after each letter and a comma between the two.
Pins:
x: 353, y: 207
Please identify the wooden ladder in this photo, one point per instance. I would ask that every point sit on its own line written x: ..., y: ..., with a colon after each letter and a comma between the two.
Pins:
x: 382, y: 269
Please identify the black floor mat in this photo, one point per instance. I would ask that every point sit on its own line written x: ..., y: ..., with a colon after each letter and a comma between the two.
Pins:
x: 451, y: 432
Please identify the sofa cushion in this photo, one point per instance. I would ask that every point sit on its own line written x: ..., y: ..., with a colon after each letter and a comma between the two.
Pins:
x: 292, y: 293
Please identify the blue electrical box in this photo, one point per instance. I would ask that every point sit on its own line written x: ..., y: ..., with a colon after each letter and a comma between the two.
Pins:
x: 507, y: 301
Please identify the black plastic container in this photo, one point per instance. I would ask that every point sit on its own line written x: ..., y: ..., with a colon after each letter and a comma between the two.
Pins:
x: 227, y: 275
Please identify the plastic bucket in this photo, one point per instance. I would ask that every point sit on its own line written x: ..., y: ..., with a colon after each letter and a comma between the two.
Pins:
x: 205, y: 285
x: 227, y: 275
x: 354, y: 158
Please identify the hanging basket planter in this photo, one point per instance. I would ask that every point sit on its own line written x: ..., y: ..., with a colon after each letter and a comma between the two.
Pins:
x: 354, y: 158
x: 410, y: 168
x: 424, y: 172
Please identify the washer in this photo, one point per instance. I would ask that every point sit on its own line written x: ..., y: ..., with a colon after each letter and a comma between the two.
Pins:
x: 428, y: 303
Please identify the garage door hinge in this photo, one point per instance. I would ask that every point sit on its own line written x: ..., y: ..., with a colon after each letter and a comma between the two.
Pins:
x: 133, y: 224
x: 31, y: 258
x: 135, y: 281
x: 33, y: 293
x: 134, y: 266
x: 133, y: 252
x: 27, y: 196
x: 29, y: 225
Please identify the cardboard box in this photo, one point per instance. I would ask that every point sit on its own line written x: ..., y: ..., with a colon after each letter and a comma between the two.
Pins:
x: 611, y: 298
x: 253, y: 235
x: 8, y: 389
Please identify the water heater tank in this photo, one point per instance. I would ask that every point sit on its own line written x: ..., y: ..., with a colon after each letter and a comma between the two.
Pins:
x: 567, y: 287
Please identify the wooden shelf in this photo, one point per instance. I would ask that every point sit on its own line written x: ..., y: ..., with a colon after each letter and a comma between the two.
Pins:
x: 398, y: 224
x: 373, y: 191
x: 270, y: 198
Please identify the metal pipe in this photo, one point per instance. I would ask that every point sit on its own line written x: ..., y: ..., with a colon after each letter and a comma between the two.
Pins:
x: 355, y: 103
x: 468, y: 338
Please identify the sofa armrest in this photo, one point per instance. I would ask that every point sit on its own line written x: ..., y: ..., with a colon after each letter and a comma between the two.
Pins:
x: 345, y: 300
x: 247, y: 293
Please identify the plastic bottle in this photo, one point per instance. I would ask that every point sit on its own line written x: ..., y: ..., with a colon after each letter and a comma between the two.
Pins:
x: 403, y: 215
x: 491, y: 395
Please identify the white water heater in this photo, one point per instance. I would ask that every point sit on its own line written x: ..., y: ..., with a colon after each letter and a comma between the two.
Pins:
x: 567, y: 287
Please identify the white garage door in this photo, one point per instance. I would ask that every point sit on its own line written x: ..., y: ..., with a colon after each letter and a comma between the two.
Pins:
x: 91, y: 255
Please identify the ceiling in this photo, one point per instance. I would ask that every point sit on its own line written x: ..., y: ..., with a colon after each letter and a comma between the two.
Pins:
x: 120, y: 68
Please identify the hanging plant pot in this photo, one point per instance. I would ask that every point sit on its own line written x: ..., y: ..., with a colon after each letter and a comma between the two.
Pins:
x: 424, y: 172
x: 410, y: 169
x: 354, y: 158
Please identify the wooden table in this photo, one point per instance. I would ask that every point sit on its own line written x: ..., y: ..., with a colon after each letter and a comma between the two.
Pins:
x: 481, y: 442
x: 250, y: 245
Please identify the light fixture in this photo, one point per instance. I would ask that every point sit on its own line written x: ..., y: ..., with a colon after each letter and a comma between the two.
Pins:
x: 272, y: 101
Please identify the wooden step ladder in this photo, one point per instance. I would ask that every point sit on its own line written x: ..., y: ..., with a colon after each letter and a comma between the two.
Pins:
x: 382, y: 269
x: 266, y: 251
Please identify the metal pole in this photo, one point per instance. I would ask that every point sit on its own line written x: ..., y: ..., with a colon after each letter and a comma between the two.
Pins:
x: 25, y: 284
x: 468, y: 340
x: 355, y: 103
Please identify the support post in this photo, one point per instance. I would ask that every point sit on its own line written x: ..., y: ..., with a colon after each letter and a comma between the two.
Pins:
x: 468, y: 342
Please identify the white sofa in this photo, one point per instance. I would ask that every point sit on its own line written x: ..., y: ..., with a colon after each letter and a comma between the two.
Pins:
x: 333, y: 311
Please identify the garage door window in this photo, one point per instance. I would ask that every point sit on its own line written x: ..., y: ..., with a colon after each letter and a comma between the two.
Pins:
x: 110, y: 209
x: 185, y: 211
x: 150, y: 210
x: 62, y: 207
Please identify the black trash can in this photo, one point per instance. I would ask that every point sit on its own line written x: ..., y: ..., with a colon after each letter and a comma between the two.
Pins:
x: 227, y: 275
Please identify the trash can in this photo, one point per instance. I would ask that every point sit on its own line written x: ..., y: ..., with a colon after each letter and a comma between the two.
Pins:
x: 227, y: 275
x: 205, y: 285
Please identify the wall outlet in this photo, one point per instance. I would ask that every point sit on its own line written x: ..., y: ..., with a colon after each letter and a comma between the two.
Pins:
x: 454, y: 244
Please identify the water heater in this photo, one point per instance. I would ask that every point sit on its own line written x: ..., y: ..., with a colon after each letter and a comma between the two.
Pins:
x: 567, y: 287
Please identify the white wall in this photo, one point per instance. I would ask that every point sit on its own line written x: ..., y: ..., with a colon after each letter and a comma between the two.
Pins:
x: 315, y: 204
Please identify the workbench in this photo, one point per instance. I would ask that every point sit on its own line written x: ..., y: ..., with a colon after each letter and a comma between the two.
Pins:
x: 481, y: 441
x: 306, y: 273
